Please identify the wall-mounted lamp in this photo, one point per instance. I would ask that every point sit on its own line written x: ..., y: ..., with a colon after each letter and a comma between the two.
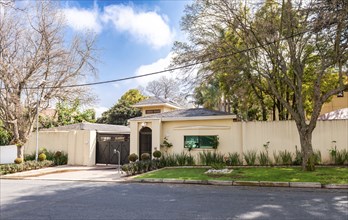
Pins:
x: 143, y: 124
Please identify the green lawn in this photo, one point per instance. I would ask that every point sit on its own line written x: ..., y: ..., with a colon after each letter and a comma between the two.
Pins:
x: 324, y: 175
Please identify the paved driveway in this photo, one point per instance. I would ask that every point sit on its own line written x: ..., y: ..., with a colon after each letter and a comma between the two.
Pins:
x: 41, y: 199
x: 72, y: 173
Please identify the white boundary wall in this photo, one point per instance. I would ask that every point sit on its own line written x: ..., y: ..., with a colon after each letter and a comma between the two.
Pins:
x: 283, y: 135
x: 8, y: 154
x: 79, y: 145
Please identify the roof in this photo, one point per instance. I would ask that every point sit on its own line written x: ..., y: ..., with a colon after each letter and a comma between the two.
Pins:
x: 156, y: 101
x: 91, y: 127
x: 334, y: 115
x: 185, y: 114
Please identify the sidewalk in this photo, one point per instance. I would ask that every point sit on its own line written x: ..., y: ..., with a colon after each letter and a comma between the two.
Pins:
x: 98, y: 173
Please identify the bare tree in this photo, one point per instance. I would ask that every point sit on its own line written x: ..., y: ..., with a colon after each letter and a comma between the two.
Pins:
x: 165, y: 87
x: 37, y: 65
x: 294, y: 51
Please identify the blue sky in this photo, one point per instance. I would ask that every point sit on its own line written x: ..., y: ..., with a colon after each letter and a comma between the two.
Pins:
x: 133, y: 38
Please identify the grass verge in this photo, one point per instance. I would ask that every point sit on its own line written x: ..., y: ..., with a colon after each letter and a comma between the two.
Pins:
x: 324, y: 175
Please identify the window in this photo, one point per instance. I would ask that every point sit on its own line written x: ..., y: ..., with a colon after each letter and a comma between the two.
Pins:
x: 152, y: 111
x: 203, y: 142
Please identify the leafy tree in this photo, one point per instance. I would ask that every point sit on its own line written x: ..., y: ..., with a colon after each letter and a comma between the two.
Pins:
x: 37, y: 62
x: 123, y: 110
x: 5, y: 136
x: 68, y: 113
x: 294, y: 53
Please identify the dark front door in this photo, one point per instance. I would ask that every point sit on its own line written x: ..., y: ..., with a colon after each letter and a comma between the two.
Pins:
x: 108, y: 145
x: 145, y: 141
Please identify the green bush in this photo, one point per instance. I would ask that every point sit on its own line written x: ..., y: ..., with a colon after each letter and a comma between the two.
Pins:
x: 233, y: 159
x: 60, y: 158
x: 157, y: 154
x: 28, y: 157
x: 18, y: 160
x: 286, y: 157
x: 250, y: 157
x: 5, y: 137
x: 145, y: 156
x: 208, y: 158
x: 27, y: 165
x: 133, y: 157
x: 42, y: 157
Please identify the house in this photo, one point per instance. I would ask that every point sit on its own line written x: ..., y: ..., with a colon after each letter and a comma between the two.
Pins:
x: 164, y: 122
x: 337, y: 108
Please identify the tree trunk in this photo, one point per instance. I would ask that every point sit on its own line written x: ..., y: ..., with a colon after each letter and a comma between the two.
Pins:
x: 20, y: 151
x: 306, y: 148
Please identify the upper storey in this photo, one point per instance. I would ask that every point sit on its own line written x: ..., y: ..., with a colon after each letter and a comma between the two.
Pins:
x: 155, y: 105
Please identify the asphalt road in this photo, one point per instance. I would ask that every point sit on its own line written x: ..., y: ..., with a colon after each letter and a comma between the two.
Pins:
x: 39, y: 199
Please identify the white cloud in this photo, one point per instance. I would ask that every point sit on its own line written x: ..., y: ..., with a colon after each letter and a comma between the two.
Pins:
x: 99, y: 110
x: 156, y: 66
x: 146, y: 27
x: 83, y: 19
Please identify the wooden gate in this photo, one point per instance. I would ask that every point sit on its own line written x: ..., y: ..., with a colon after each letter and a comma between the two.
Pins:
x: 109, y: 144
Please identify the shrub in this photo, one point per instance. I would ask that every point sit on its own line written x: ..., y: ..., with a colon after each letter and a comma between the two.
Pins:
x: 157, y: 154
x: 26, y: 165
x: 5, y: 137
x: 145, y: 156
x: 133, y: 157
x: 28, y: 157
x: 250, y: 157
x: 42, y: 150
x: 18, y: 160
x: 277, y: 158
x: 60, y: 158
x: 207, y: 158
x: 233, y: 159
x: 286, y: 157
x: 42, y: 157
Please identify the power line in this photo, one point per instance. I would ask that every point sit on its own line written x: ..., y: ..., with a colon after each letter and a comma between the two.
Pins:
x: 170, y: 69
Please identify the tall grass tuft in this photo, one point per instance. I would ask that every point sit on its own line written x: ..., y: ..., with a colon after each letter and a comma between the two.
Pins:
x: 250, y: 157
x: 286, y: 157
x: 208, y: 158
x: 234, y: 159
x: 277, y: 158
x: 263, y: 159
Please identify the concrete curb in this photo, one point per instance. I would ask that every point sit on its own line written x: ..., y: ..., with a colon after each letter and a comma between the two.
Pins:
x: 305, y: 185
x: 243, y: 183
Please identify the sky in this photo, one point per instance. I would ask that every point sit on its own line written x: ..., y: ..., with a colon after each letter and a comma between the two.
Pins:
x: 133, y: 38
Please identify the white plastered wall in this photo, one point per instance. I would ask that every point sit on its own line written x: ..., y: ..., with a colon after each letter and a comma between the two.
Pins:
x: 80, y: 145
